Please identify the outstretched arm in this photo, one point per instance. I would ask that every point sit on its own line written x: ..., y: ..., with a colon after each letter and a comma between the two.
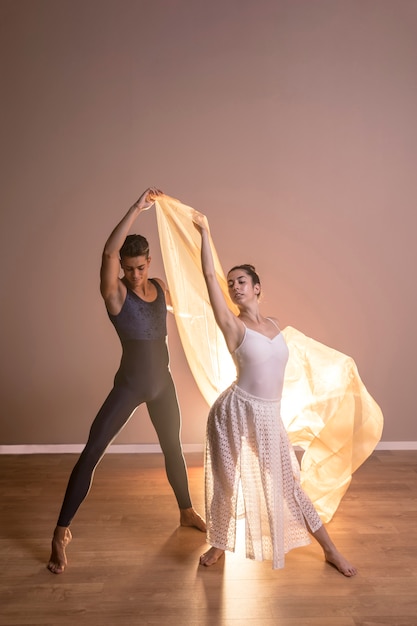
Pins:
x: 231, y: 327
x: 111, y: 288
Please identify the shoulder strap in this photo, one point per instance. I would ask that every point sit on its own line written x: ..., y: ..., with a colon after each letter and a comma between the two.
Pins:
x: 274, y: 323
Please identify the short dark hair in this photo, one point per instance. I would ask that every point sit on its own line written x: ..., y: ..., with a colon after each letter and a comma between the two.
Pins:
x: 135, y: 245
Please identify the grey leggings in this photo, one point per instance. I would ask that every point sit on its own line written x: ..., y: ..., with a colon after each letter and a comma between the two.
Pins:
x: 165, y: 416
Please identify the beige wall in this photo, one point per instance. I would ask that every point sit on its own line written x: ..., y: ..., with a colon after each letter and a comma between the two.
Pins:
x: 292, y: 124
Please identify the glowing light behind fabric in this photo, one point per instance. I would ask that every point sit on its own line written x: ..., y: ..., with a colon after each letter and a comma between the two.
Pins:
x: 326, y: 408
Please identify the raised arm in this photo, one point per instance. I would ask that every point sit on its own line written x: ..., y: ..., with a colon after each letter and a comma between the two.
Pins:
x: 231, y: 327
x: 111, y: 287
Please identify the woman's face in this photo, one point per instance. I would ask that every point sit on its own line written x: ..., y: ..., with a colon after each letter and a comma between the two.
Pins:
x: 241, y: 287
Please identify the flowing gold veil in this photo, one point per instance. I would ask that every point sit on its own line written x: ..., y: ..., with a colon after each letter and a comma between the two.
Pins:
x: 326, y: 408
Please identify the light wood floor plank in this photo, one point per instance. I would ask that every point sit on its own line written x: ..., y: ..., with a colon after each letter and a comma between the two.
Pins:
x: 131, y: 564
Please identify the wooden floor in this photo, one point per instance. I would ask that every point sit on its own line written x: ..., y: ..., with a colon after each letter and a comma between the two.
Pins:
x: 131, y: 564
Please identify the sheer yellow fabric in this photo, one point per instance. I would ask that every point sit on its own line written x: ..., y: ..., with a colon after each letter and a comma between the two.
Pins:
x: 328, y: 411
x: 326, y: 408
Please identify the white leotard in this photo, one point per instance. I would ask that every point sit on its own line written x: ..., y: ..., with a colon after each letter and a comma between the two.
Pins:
x: 260, y: 364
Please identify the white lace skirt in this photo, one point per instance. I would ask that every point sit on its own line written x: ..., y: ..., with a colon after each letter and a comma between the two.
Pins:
x: 247, y: 447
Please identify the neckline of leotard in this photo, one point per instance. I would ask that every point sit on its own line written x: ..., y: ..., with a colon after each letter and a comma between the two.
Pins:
x: 261, y: 334
x: 154, y: 282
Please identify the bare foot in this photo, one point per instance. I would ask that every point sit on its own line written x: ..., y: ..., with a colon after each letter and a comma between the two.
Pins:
x: 211, y: 557
x: 332, y: 554
x: 338, y: 560
x: 58, y: 561
x: 189, y: 517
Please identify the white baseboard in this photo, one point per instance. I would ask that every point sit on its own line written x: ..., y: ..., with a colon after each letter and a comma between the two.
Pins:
x: 75, y: 448
x: 397, y: 445
x: 143, y: 448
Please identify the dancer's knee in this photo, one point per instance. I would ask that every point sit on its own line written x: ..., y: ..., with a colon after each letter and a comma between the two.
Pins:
x: 90, y: 457
x: 172, y: 450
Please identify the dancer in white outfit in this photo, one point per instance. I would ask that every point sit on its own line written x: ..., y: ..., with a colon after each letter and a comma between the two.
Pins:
x: 247, y: 444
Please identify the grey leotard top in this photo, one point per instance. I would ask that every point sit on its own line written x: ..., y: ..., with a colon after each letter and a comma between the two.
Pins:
x: 142, y: 330
x: 139, y: 319
x: 260, y: 364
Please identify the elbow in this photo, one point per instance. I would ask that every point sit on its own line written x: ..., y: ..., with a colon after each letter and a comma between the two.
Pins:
x: 109, y: 254
x: 209, y: 275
